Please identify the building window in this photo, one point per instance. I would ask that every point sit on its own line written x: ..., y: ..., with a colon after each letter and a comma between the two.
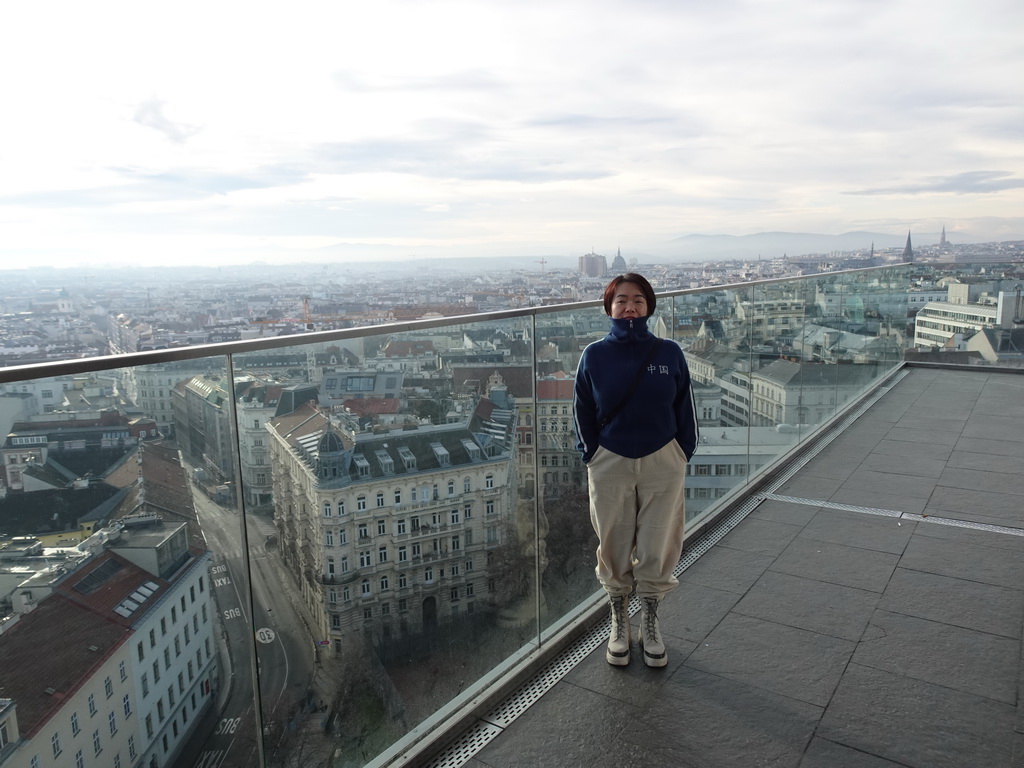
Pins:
x: 364, y: 559
x: 97, y: 747
x: 127, y: 703
x: 360, y: 503
x: 74, y: 724
x: 455, y: 516
x: 428, y: 575
x: 380, y: 498
x: 403, y: 554
x: 400, y: 526
x: 122, y: 669
x: 403, y: 581
x: 92, y: 704
x: 108, y: 687
x: 489, y: 481
x: 467, y: 485
x: 384, y: 583
x: 382, y: 527
x: 382, y: 555
x: 364, y: 531
x: 364, y: 588
x: 398, y: 496
x: 327, y: 509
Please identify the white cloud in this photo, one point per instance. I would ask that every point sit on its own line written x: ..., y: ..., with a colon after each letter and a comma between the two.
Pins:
x: 487, y: 127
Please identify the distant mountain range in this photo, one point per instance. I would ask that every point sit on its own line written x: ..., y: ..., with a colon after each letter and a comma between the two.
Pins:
x: 772, y: 245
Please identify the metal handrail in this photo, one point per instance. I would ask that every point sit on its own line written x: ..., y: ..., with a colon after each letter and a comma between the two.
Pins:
x: 16, y: 373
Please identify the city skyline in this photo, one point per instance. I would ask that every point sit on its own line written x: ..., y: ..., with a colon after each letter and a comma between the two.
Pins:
x: 399, y: 131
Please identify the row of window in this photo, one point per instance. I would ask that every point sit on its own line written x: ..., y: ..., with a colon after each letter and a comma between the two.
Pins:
x: 456, y: 594
x: 340, y: 565
x: 366, y: 589
x: 416, y: 494
x: 140, y: 647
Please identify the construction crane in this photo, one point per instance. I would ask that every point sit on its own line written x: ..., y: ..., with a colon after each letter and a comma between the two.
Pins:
x: 542, y: 262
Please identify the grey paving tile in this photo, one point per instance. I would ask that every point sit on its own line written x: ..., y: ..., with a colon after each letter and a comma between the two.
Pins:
x: 925, y: 420
x: 994, y: 427
x: 857, y: 529
x: 691, y: 612
x: 895, y: 482
x: 809, y: 485
x: 977, y: 537
x: 837, y: 564
x: 835, y: 467
x: 784, y: 512
x: 635, y: 684
x: 964, y: 561
x: 903, y: 448
x: 792, y: 662
x: 1008, y: 483
x: 910, y: 434
x: 987, y: 446
x: 830, y: 609
x: 979, y: 506
x: 568, y: 726
x: 964, y: 659
x: 866, y: 497
x: 827, y: 754
x: 705, y: 720
x: 917, y: 724
x: 1009, y: 462
x: 760, y: 536
x: 959, y: 602
x: 731, y: 570
x: 642, y: 754
x: 907, y: 464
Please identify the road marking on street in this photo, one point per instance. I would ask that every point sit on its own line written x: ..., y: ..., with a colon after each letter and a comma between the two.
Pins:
x: 211, y: 759
x: 265, y: 635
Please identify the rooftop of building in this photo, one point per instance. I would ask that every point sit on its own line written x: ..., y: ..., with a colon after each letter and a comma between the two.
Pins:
x: 864, y: 607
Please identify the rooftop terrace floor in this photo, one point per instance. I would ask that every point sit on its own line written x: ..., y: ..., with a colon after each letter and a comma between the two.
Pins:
x: 844, y: 621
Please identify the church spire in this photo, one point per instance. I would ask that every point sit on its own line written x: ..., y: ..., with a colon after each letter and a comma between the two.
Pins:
x: 942, y: 239
x: 908, y: 252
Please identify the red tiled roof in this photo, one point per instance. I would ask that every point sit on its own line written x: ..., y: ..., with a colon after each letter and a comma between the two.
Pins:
x: 369, y: 406
x: 51, y: 648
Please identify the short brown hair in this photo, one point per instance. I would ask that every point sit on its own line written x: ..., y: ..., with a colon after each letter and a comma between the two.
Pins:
x: 629, y: 277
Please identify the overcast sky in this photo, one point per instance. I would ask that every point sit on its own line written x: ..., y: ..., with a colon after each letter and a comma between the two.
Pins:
x: 222, y: 132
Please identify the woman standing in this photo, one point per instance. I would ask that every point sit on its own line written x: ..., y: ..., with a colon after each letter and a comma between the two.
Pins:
x: 637, y: 430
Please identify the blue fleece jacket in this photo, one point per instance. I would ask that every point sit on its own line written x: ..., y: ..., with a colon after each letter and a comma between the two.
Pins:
x: 661, y: 407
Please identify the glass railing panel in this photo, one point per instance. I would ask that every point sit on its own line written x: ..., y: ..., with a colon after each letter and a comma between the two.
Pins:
x: 568, y: 541
x: 120, y: 557
x: 392, y: 525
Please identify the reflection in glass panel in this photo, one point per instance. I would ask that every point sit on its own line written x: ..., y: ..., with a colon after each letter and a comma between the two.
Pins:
x: 113, y: 529
x: 394, y: 536
x: 569, y: 539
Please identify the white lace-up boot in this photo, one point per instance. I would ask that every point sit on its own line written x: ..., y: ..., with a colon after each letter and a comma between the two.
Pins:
x: 618, y: 639
x: 655, y: 653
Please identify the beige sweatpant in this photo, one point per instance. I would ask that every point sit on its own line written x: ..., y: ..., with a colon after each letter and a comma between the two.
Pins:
x: 636, y: 508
